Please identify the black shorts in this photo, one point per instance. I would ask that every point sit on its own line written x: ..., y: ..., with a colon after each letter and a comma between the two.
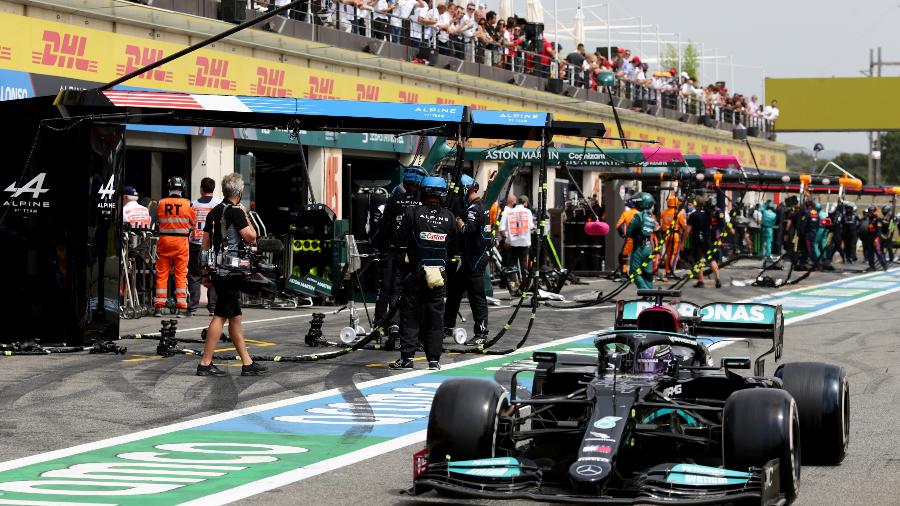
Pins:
x: 228, y: 298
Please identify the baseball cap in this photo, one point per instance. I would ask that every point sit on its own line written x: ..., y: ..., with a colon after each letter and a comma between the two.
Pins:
x: 636, y: 60
x: 130, y: 191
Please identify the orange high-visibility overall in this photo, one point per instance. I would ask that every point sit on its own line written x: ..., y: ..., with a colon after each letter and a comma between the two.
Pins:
x: 673, y: 241
x: 622, y: 225
x: 176, y: 220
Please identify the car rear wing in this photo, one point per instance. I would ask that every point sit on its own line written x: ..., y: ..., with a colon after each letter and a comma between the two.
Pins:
x: 744, y: 320
x: 627, y: 311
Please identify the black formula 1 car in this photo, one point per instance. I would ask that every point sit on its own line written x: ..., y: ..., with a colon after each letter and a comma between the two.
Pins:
x: 647, y: 420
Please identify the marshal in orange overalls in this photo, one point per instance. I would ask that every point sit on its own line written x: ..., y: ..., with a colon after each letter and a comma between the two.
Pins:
x: 176, y: 220
x: 622, y: 226
x: 673, y: 241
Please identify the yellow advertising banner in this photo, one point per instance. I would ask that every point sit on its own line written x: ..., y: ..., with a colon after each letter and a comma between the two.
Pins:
x: 814, y: 104
x: 44, y: 47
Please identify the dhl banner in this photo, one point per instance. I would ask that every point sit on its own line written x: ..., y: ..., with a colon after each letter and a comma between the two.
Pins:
x: 43, y: 47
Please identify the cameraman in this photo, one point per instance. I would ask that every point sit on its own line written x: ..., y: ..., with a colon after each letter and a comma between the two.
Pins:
x: 239, y: 233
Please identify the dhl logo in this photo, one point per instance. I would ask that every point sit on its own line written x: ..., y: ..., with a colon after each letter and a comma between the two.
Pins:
x: 409, y: 98
x: 691, y: 147
x: 321, y: 88
x: 442, y: 100
x: 64, y: 50
x: 137, y: 57
x: 367, y: 92
x: 478, y: 107
x: 269, y: 83
x: 212, y: 74
x: 5, y: 53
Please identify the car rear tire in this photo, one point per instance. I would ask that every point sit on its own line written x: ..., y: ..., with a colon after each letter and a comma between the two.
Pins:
x: 759, y: 425
x: 463, y: 420
x: 822, y: 393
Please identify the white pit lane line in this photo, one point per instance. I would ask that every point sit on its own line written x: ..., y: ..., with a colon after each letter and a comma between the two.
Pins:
x: 251, y: 489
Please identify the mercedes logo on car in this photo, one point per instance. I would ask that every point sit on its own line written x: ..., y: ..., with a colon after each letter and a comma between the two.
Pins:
x: 589, y: 470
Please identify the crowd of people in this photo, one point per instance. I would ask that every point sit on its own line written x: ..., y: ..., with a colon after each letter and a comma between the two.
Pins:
x: 693, y: 236
x: 472, y: 32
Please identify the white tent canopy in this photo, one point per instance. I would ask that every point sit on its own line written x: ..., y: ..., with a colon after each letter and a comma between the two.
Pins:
x: 535, y: 11
x: 505, y: 10
x: 578, y: 34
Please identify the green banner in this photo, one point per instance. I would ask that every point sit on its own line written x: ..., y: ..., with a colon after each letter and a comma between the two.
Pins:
x: 362, y: 141
x: 571, y: 156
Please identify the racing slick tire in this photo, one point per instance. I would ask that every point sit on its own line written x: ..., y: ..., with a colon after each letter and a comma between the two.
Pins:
x: 463, y: 420
x: 822, y: 393
x: 761, y: 424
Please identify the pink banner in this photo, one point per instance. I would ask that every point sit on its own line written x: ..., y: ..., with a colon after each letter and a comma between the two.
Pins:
x: 712, y: 161
x: 664, y: 155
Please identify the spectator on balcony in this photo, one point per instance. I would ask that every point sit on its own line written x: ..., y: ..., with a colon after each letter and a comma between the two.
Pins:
x: 548, y: 55
x: 490, y: 23
x: 380, y: 22
x: 456, y: 35
x: 578, y: 61
x: 687, y: 89
x: 444, y: 27
x: 771, y: 112
x: 576, y: 58
x: 640, y: 74
x: 484, y: 41
x: 346, y: 15
x: 752, y: 108
x: 396, y: 23
x: 420, y: 24
x: 469, y: 25
x: 500, y: 39
x: 404, y: 11
x: 363, y: 9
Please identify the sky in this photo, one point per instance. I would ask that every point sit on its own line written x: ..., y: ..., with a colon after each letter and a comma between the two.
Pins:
x: 786, y: 38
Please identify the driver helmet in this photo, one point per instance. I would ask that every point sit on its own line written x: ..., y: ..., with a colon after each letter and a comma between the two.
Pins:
x: 414, y: 175
x: 872, y: 209
x: 433, y: 185
x: 886, y: 210
x: 653, y: 359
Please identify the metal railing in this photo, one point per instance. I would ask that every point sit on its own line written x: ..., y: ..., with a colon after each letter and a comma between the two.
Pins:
x: 389, y: 27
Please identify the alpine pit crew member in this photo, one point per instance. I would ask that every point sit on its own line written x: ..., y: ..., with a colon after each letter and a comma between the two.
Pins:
x: 476, y: 242
x: 389, y: 252
x: 428, y: 233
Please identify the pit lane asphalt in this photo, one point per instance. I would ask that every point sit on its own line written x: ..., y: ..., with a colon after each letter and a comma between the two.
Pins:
x: 56, y: 402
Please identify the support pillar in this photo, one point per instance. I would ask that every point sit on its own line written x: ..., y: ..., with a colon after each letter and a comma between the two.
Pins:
x: 591, y: 184
x: 326, y: 169
x: 535, y: 189
x: 156, y: 182
x: 210, y: 157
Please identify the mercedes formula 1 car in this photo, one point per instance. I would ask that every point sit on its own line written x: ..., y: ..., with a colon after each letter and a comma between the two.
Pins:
x: 648, y: 419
